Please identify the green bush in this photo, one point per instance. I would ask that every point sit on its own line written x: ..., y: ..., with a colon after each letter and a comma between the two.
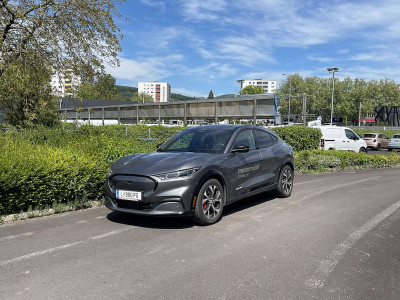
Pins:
x: 65, y: 165
x: 300, y: 137
x: 315, y: 161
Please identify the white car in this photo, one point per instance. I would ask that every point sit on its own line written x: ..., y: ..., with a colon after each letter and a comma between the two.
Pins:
x: 341, y: 138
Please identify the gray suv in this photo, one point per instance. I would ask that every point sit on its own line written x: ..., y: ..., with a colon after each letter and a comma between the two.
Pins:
x: 199, y: 171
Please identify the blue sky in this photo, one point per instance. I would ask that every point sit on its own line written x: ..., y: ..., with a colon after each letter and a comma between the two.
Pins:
x: 199, y: 45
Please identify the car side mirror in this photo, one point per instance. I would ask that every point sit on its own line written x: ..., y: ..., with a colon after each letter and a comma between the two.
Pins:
x: 242, y: 148
x: 159, y: 145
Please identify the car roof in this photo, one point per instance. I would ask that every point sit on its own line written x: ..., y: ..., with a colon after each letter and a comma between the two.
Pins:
x: 223, y: 126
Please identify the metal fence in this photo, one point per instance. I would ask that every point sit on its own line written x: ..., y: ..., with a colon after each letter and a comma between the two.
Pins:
x: 253, y: 108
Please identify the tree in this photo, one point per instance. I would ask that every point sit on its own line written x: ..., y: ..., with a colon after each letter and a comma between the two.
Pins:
x: 64, y: 33
x: 103, y: 88
x: 252, y: 90
x: 211, y: 95
x: 25, y: 93
x: 142, y: 98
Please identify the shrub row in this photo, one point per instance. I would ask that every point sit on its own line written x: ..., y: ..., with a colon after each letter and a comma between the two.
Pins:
x: 316, y: 161
x: 300, y: 137
x: 41, y: 168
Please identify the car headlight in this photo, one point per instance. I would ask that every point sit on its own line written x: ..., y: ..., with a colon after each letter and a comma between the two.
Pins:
x: 177, y: 174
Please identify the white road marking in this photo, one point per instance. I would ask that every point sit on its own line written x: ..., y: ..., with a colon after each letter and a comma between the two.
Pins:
x: 328, y: 265
x: 334, y: 187
x: 10, y: 237
x: 65, y: 246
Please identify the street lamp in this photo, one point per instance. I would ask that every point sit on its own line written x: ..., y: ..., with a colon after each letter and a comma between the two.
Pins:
x: 290, y: 89
x: 332, y: 70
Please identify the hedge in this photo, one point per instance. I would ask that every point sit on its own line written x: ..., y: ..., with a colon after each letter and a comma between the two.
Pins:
x: 300, y: 137
x: 317, y: 161
x: 41, y: 168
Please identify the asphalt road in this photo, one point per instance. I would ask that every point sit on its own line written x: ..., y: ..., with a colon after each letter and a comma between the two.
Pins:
x: 336, y: 237
x: 382, y: 152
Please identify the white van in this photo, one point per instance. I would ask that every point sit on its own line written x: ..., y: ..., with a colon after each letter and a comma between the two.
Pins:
x: 341, y: 138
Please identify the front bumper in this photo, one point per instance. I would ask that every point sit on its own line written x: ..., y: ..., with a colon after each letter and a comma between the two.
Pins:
x: 159, y: 198
x: 394, y: 146
x: 173, y: 207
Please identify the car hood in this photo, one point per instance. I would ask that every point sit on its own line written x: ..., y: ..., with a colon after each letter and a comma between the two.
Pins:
x: 159, y: 162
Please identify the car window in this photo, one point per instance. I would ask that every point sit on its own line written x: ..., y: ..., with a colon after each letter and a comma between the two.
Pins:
x: 350, y: 134
x: 264, y: 139
x: 380, y: 136
x: 198, y: 140
x: 396, y: 136
x: 369, y: 135
x: 384, y: 136
x: 245, y: 138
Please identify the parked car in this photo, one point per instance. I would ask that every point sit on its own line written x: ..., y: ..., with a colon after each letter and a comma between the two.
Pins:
x: 341, y: 138
x: 394, y: 142
x: 376, y: 141
x: 199, y: 171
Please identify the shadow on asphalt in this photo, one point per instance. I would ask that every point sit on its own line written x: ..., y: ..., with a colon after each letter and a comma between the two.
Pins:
x: 185, y: 222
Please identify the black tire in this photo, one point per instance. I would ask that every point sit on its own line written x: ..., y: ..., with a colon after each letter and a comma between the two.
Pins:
x: 363, y: 150
x: 390, y: 149
x: 210, y: 203
x: 378, y: 148
x: 285, y: 182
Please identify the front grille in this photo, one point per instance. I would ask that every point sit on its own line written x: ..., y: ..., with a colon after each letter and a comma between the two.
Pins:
x: 137, y: 205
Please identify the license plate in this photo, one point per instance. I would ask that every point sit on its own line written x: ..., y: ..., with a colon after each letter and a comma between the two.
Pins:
x: 129, y: 195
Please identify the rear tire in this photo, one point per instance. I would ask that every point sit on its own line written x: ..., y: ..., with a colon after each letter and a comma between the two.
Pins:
x: 285, y: 182
x: 390, y: 149
x: 378, y: 148
x: 363, y: 150
x: 210, y: 203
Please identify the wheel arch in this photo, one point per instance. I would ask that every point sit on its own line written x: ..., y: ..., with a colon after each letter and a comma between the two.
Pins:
x: 211, y: 174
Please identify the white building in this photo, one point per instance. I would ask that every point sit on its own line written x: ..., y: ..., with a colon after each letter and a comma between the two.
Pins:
x: 65, y: 84
x: 160, y: 91
x: 269, y: 86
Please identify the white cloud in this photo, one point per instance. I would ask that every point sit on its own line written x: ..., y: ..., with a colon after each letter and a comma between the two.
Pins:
x: 154, y: 3
x: 202, y: 9
x: 152, y: 68
x: 186, y: 92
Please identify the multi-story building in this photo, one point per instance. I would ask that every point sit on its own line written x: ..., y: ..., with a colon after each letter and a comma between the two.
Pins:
x: 269, y: 86
x: 65, y: 84
x: 160, y: 91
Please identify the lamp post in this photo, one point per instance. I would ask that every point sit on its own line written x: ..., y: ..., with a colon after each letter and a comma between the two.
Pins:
x: 290, y: 89
x: 332, y: 70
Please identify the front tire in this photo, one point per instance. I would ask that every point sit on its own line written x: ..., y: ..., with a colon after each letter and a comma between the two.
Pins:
x: 285, y: 182
x: 210, y: 203
x: 363, y: 150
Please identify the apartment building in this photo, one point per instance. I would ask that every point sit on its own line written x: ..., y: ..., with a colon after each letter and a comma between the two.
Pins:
x: 65, y: 84
x: 269, y: 86
x: 160, y: 91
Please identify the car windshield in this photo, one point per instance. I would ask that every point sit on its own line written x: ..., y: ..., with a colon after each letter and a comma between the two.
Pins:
x: 198, y: 140
x: 369, y: 135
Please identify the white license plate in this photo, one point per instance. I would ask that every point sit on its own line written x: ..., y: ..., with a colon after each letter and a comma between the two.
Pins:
x: 129, y: 195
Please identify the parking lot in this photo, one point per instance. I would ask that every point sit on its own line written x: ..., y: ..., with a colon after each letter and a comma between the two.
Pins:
x: 336, y: 237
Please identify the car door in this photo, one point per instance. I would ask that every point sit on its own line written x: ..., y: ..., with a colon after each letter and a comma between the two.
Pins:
x: 352, y: 141
x: 271, y: 156
x: 385, y: 140
x: 243, y: 169
x: 339, y: 137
